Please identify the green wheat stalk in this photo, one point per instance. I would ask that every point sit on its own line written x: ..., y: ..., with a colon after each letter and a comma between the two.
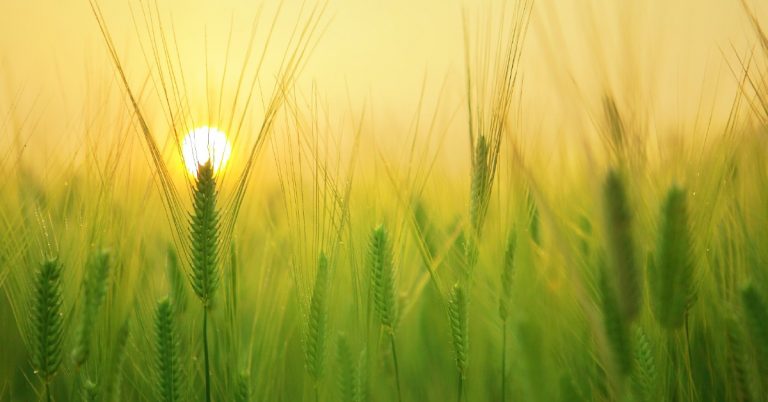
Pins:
x: 95, y: 290
x: 348, y: 376
x: 47, y: 323
x: 616, y: 329
x: 118, y: 358
x: 623, y: 271
x: 89, y: 391
x: 458, y: 318
x: 178, y: 291
x: 480, y: 183
x: 671, y: 276
x: 737, y: 367
x: 168, y: 374
x: 317, y: 323
x: 505, y: 301
x: 382, y: 277
x: 204, y: 236
x: 644, y: 377
x: 756, y: 318
x: 243, y: 387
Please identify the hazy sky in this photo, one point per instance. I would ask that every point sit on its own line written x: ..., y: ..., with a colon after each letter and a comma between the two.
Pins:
x: 669, y: 51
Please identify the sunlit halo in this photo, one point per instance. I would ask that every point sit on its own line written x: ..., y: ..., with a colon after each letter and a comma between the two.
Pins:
x: 205, y: 144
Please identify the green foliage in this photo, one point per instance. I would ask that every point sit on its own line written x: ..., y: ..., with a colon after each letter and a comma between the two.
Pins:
x: 46, y: 318
x: 670, y: 278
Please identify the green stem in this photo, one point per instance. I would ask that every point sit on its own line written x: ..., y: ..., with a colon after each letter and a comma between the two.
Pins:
x: 460, y: 395
x: 397, y: 371
x: 504, y: 362
x: 205, y: 348
x: 48, y: 391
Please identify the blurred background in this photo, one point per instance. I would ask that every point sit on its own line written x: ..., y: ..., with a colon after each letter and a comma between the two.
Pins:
x: 672, y: 57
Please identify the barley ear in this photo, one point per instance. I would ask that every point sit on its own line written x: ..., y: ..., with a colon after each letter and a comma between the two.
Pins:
x: 457, y: 316
x: 95, y: 290
x: 243, y: 389
x: 317, y: 322
x: 616, y: 329
x: 624, y: 275
x: 89, y: 391
x: 168, y: 374
x: 507, y: 276
x: 671, y: 276
x: 478, y: 198
x: 645, y: 376
x: 756, y: 318
x: 738, y: 368
x: 204, y: 235
x: 47, y: 320
x: 347, y: 372
x: 382, y: 276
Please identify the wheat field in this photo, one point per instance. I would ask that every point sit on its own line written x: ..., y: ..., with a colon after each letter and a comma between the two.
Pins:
x: 384, y: 201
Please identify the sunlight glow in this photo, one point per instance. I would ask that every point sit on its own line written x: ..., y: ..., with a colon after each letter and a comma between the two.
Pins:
x: 203, y: 144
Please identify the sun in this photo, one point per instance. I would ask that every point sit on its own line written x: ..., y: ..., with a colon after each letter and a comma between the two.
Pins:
x: 205, y: 144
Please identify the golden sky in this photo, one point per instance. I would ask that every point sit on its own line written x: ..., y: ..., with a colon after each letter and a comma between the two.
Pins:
x: 663, y: 54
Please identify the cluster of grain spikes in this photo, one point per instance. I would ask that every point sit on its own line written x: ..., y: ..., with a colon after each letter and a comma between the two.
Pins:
x: 384, y: 288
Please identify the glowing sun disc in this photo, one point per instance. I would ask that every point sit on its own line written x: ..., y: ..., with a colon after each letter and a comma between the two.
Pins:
x: 205, y: 144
